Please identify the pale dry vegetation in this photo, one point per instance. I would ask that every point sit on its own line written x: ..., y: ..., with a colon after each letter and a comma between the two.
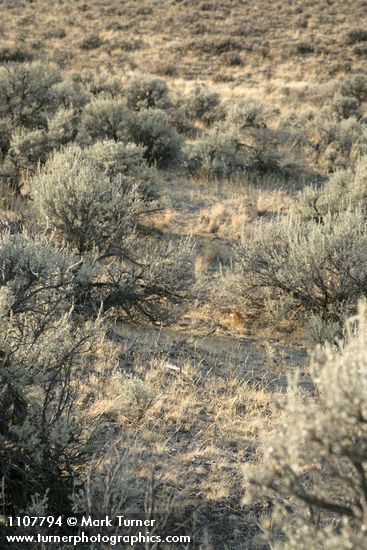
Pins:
x: 182, y: 220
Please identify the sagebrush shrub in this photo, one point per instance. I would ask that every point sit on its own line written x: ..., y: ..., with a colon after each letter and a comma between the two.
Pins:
x: 27, y: 93
x: 205, y: 105
x: 341, y: 106
x: 28, y: 147
x: 247, y: 114
x: 62, y: 127
x: 55, y: 286
x: 75, y: 195
x: 219, y: 154
x: 101, y: 83
x: 340, y: 144
x: 46, y: 354
x: 5, y: 136
x: 99, y: 216
x: 71, y: 93
x: 117, y: 158
x: 147, y: 93
x: 320, y: 267
x: 355, y: 86
x: 153, y: 129
x: 354, y: 36
x: 345, y: 189
x: 264, y: 148
x: 313, y: 465
x: 105, y: 118
x: 91, y: 42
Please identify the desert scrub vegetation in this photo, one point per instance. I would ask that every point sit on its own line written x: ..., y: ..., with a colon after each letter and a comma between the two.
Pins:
x: 27, y: 94
x: 339, y: 144
x: 345, y: 189
x: 53, y: 349
x: 106, y: 170
x: 312, y: 471
x: 104, y: 118
x: 198, y: 130
x: 147, y: 93
x: 110, y: 118
x: 46, y: 349
x: 312, y: 267
x: 217, y: 155
x: 99, y: 215
x: 84, y: 196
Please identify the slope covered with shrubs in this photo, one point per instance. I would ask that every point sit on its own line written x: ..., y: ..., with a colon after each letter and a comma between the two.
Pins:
x: 131, y: 202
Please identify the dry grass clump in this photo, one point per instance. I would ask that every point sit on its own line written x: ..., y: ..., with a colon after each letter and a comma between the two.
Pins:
x: 225, y: 218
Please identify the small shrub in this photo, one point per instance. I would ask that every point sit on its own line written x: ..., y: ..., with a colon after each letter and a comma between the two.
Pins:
x: 134, y: 397
x: 71, y: 94
x: 15, y: 54
x: 205, y: 106
x: 303, y: 48
x: 344, y: 107
x: 62, y: 127
x: 28, y: 147
x: 152, y: 128
x: 105, y: 118
x: 247, y: 114
x: 217, y: 155
x: 74, y: 195
x: 345, y: 189
x: 97, y: 215
x: 55, y: 33
x: 320, y: 266
x: 130, y: 44
x: 217, y: 46
x: 96, y: 84
x: 181, y: 118
x: 48, y: 356
x: 312, y: 470
x: 232, y: 59
x: 165, y: 69
x: 147, y: 93
x: 91, y: 42
x: 355, y: 86
x: 339, y: 144
x: 356, y: 35
x: 318, y: 330
x: 264, y: 149
x: 5, y: 135
x: 26, y: 93
x: 115, y: 158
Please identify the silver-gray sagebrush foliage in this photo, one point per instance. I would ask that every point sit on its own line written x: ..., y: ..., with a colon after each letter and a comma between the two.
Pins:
x: 46, y: 351
x: 75, y: 195
x: 218, y: 155
x: 99, y: 216
x: 147, y: 93
x: 53, y: 349
x: 345, y: 189
x: 318, y: 267
x: 105, y: 117
x: 27, y: 94
x: 313, y: 465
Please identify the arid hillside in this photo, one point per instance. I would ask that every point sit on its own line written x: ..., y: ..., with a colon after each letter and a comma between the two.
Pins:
x: 183, y: 239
